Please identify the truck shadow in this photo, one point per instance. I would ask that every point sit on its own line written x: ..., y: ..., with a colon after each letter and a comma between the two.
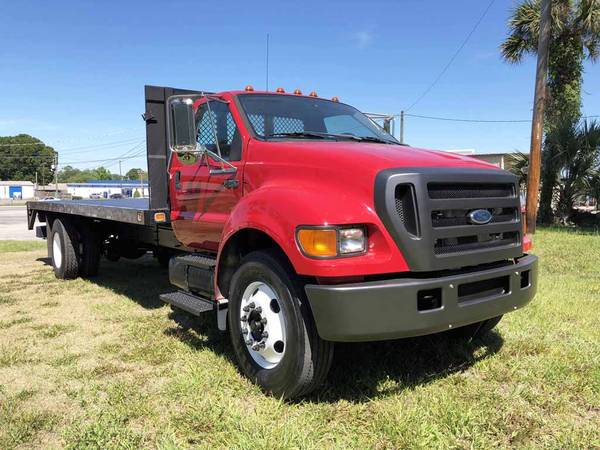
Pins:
x: 360, y: 371
x: 363, y: 371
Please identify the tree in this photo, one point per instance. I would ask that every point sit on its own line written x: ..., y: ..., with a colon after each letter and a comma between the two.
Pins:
x: 575, y: 37
x: 134, y: 174
x: 22, y: 156
x: 578, y: 151
x: 519, y: 166
x: 594, y: 190
x: 102, y: 173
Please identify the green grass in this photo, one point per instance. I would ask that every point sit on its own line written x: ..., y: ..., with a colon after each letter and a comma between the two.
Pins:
x: 21, y: 246
x: 104, y: 364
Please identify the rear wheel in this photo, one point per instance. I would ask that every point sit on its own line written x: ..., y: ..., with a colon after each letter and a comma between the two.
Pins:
x: 63, y: 241
x: 272, y: 330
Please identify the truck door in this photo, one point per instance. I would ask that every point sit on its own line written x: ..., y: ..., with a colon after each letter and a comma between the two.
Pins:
x: 201, y: 197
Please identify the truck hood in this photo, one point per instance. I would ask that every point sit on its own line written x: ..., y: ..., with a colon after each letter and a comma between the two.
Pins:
x: 368, y: 158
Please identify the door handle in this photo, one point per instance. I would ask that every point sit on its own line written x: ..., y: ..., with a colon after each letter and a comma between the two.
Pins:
x: 177, y: 180
x: 231, y: 183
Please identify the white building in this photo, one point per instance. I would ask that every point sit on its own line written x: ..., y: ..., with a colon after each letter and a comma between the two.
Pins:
x: 16, y: 190
x: 106, y: 188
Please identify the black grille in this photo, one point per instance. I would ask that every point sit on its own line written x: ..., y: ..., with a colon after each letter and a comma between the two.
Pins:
x: 457, y: 217
x: 462, y: 244
x: 468, y: 190
x: 405, y: 208
x: 426, y: 211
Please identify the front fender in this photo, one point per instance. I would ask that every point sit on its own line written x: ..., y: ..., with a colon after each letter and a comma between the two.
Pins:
x: 279, y: 210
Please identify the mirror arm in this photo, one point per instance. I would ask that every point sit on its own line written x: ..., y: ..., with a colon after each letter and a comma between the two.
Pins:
x: 214, y: 128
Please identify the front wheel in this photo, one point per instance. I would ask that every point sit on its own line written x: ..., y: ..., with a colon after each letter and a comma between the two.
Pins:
x: 272, y: 330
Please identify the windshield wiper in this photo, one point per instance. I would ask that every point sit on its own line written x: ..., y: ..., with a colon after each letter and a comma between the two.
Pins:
x: 374, y: 139
x: 321, y: 135
x: 301, y: 134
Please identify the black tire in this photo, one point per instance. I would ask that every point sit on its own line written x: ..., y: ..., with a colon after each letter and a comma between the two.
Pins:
x: 65, y: 264
x: 90, y: 253
x: 307, y: 358
x: 477, y: 329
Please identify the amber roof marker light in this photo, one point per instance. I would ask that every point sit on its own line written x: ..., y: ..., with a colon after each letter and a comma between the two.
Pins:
x: 335, y: 99
x: 297, y: 92
x: 249, y: 88
x: 280, y: 90
x: 313, y: 94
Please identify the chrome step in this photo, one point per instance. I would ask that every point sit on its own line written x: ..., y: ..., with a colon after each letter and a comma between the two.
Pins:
x: 188, y: 302
x: 201, y: 261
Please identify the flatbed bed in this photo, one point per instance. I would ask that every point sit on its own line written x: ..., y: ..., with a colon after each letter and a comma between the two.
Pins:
x: 128, y: 210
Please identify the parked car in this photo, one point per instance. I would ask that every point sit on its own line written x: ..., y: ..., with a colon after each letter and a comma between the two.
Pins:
x: 95, y: 195
x: 116, y: 195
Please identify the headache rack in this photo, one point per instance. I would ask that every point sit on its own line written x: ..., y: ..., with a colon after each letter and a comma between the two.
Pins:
x: 427, y: 212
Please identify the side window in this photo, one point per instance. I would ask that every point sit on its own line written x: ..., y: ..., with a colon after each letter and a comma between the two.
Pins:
x: 228, y: 135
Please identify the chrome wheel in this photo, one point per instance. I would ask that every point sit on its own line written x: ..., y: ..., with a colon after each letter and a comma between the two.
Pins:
x: 262, y: 324
x: 56, y: 250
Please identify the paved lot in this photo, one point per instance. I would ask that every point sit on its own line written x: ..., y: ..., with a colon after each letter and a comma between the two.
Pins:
x: 13, y: 223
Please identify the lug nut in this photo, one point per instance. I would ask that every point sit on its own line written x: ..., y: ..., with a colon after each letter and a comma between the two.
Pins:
x: 248, y: 341
x: 258, y: 346
x: 265, y: 334
x: 244, y: 318
x: 245, y: 330
x: 263, y: 320
x: 251, y: 305
x: 258, y: 309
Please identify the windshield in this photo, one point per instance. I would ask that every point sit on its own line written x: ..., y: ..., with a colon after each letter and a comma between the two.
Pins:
x: 289, y: 117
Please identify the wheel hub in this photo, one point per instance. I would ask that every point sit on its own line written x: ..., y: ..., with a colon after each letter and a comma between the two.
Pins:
x: 262, y: 324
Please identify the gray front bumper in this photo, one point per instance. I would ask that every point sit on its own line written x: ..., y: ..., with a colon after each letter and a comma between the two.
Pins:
x: 379, y: 310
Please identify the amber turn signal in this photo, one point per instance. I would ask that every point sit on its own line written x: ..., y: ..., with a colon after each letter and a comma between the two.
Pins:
x: 319, y: 243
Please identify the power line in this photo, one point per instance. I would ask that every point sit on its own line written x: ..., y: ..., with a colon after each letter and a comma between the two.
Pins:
x: 447, y: 66
x: 454, y: 119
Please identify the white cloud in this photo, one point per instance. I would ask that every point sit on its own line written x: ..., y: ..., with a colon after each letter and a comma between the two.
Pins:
x: 363, y: 39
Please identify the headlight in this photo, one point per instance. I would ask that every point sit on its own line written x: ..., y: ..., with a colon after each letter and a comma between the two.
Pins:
x: 330, y: 242
x: 352, y: 240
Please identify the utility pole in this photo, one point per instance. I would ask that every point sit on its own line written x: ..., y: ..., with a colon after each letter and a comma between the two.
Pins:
x: 56, y: 175
x: 121, y: 176
x: 537, y: 126
x: 141, y: 183
x: 402, y: 127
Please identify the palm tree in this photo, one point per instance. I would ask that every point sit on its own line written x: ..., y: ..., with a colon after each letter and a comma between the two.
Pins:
x: 578, y: 151
x: 595, y: 187
x: 518, y: 164
x: 575, y: 37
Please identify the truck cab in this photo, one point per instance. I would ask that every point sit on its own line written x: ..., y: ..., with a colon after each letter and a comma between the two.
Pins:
x: 301, y: 223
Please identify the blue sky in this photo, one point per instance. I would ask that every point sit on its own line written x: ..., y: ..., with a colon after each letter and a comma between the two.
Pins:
x: 73, y: 72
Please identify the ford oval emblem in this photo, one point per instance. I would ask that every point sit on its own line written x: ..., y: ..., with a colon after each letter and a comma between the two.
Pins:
x: 480, y: 216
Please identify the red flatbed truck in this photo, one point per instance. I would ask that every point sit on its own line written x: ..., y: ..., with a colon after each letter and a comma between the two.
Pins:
x: 300, y: 223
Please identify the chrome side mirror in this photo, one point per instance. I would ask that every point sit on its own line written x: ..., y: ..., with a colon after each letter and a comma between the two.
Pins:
x: 183, y: 125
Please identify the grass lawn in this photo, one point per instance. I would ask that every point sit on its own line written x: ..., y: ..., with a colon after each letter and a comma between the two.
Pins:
x: 104, y: 364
